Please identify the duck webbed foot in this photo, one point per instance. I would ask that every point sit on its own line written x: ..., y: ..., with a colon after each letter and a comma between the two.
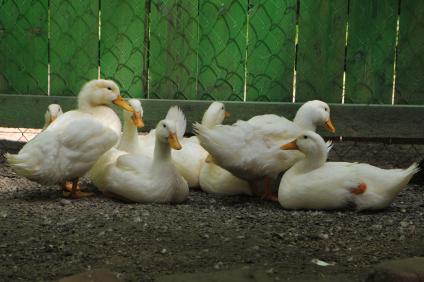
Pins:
x: 266, y: 193
x: 75, y: 192
x: 67, y: 186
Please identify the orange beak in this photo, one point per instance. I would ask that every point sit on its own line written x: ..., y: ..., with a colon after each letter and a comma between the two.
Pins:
x: 120, y: 102
x: 329, y: 125
x: 290, y: 146
x: 137, y: 119
x: 227, y: 115
x: 173, y: 141
x: 52, y: 119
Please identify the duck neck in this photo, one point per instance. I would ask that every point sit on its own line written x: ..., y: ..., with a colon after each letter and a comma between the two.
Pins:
x: 84, y: 105
x: 46, y: 124
x: 210, y: 121
x: 129, y: 138
x: 162, y: 151
x: 304, y: 121
x: 311, y: 162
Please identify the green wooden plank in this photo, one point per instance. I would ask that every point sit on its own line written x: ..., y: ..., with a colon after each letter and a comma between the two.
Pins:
x: 321, y: 50
x: 24, y: 46
x: 366, y: 121
x: 271, y: 50
x: 371, y: 51
x: 410, y: 60
x: 73, y: 45
x: 222, y: 49
x: 122, y: 44
x: 173, y: 49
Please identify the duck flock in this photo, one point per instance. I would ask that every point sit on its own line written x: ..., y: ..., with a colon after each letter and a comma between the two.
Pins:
x: 246, y: 157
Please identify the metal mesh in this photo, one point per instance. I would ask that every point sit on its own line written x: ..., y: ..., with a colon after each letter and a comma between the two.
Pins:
x: 213, y: 49
x: 384, y: 154
x: 18, y: 134
x: 122, y: 47
x: 23, y: 46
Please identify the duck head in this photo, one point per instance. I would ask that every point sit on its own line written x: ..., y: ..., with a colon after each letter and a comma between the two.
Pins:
x: 308, y: 143
x: 52, y: 113
x: 101, y: 92
x: 166, y: 133
x: 137, y: 115
x: 312, y: 114
x: 215, y: 115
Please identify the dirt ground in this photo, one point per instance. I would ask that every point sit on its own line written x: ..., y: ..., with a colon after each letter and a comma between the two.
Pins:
x: 44, y: 237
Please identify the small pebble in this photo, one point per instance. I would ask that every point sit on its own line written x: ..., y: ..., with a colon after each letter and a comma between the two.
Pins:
x: 137, y: 219
x: 323, y: 236
x: 218, y: 265
x: 65, y: 202
x: 404, y: 223
x: 270, y: 271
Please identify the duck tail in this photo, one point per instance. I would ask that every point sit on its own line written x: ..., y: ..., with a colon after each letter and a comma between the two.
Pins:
x: 330, y: 145
x: 11, y: 159
x: 409, y: 173
x: 201, y: 132
x: 418, y: 178
x: 176, y: 114
x: 21, y: 165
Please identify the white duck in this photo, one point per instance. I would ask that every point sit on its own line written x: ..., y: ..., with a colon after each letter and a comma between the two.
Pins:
x: 53, y: 112
x: 128, y: 143
x: 68, y: 148
x: 138, y: 178
x: 313, y: 183
x: 251, y: 149
x: 191, y: 157
x: 213, y: 178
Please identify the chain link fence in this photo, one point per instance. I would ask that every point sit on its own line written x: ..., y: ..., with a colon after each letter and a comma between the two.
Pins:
x: 208, y: 49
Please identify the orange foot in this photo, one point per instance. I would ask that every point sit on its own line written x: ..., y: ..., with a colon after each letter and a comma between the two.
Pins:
x: 267, y: 194
x: 68, y: 186
x: 77, y: 194
x: 362, y: 187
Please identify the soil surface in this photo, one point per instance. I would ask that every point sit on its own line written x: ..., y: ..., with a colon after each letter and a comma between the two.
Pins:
x: 45, y: 237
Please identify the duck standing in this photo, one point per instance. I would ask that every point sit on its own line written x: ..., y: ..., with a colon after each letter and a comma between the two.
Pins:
x: 70, y: 146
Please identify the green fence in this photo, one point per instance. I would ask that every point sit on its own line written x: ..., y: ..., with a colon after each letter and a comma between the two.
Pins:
x: 365, y: 54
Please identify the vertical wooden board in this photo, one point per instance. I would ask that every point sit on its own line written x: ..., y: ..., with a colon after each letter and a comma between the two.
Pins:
x: 321, y: 50
x: 271, y: 50
x: 173, y: 49
x: 74, y: 43
x: 222, y: 49
x: 122, y: 44
x: 410, y: 60
x: 24, y: 46
x: 371, y: 51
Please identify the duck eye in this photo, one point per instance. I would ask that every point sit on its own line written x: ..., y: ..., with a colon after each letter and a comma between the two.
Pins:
x: 164, y: 125
x: 325, y: 109
x: 305, y: 137
x: 222, y: 108
x: 109, y: 88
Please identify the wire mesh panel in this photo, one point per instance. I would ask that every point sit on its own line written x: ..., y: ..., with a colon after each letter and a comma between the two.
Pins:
x: 74, y: 43
x: 385, y: 153
x: 410, y: 61
x: 173, y: 49
x: 23, y: 46
x: 321, y: 51
x: 122, y: 44
x: 370, y: 51
x: 271, y: 50
x: 222, y: 49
